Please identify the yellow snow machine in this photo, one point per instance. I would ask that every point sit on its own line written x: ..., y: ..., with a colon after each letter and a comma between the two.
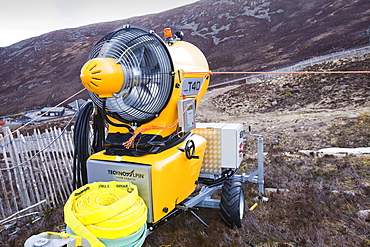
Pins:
x: 141, y: 159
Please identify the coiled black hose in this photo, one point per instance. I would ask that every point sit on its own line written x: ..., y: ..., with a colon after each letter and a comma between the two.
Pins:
x: 83, y: 146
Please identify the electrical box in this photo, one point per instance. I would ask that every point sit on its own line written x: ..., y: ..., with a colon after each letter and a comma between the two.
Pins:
x: 224, y: 145
x: 186, y: 113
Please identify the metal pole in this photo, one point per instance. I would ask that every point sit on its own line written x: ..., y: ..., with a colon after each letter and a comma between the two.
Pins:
x: 260, y: 181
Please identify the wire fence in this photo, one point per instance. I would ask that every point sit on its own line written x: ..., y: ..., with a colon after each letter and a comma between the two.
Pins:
x: 35, y: 172
x: 295, y: 67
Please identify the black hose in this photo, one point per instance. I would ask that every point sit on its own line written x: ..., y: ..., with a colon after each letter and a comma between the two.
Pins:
x: 219, y: 181
x: 83, y: 148
x: 99, y: 131
x: 111, y: 122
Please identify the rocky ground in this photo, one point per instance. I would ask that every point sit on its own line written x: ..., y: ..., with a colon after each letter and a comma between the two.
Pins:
x: 314, y: 199
x: 303, y: 111
x: 319, y: 195
x: 321, y: 199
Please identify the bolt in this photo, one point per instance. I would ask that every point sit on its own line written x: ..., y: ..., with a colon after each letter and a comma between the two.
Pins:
x: 41, y: 242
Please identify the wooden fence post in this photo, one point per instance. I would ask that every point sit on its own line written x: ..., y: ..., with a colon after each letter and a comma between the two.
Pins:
x: 48, y: 170
x: 34, y: 169
x: 32, y: 161
x: 18, y: 172
x: 5, y: 199
x: 9, y: 176
x: 54, y: 149
x: 27, y: 176
x: 66, y: 162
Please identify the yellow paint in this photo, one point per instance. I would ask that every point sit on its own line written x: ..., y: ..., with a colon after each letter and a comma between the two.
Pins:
x: 108, y: 210
x: 173, y: 175
x: 102, y: 76
x: 185, y: 57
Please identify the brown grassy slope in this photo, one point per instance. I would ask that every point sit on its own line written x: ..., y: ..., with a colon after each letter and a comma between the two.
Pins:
x: 324, y: 192
x: 310, y: 214
x: 309, y: 91
x: 234, y: 36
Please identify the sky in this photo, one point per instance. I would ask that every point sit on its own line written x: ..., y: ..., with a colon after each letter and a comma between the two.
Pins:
x: 23, y: 19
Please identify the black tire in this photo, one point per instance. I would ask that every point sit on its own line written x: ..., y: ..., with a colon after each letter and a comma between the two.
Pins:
x: 232, y: 202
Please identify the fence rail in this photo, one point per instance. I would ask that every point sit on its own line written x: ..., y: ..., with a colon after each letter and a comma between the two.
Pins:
x: 32, y: 181
x: 295, y: 67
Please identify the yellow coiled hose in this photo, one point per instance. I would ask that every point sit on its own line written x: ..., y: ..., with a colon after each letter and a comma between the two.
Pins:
x: 105, y: 211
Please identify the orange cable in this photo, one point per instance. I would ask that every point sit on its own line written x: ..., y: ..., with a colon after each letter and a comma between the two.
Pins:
x: 274, y: 72
x: 33, y: 120
x: 130, y: 143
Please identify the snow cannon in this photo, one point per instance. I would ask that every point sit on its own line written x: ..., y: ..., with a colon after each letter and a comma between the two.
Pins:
x: 138, y: 135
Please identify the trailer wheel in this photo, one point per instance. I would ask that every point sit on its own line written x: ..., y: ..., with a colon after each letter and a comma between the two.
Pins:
x: 232, y: 202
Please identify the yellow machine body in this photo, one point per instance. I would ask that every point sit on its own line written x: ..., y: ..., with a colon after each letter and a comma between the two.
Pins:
x: 186, y: 58
x: 95, y: 80
x: 173, y: 176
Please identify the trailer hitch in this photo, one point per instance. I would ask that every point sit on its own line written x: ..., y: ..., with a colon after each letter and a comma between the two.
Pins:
x: 191, y: 210
x: 198, y: 218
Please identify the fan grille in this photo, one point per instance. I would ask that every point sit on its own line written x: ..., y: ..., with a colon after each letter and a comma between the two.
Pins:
x: 147, y: 67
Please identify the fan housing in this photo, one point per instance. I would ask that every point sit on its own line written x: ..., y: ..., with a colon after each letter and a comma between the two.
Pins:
x: 131, y: 70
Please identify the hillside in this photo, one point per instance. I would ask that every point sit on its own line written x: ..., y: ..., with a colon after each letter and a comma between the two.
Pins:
x: 303, y: 91
x: 234, y: 35
x: 319, y: 196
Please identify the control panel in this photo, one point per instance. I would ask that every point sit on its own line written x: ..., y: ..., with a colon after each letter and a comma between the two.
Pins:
x: 224, y: 145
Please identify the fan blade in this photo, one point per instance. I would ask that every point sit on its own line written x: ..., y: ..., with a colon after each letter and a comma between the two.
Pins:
x: 135, y: 46
x: 146, y: 66
x: 141, y: 58
x: 146, y: 90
